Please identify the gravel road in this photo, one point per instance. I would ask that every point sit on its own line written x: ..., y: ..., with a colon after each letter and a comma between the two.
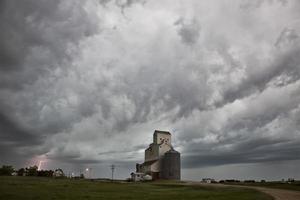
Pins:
x: 278, y: 194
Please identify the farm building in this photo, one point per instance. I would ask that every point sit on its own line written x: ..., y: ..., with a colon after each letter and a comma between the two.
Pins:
x: 208, y: 180
x: 161, y: 160
x: 138, y: 176
x: 58, y: 173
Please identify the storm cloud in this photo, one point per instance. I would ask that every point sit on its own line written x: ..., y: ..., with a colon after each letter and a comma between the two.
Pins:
x: 87, y: 83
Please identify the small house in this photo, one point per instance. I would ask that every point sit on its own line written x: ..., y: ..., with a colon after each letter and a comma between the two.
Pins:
x: 137, y: 176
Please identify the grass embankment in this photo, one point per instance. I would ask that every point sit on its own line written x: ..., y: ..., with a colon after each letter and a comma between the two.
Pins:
x: 278, y: 185
x: 25, y: 188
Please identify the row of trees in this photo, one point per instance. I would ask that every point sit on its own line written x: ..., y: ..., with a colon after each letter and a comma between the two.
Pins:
x: 8, y: 170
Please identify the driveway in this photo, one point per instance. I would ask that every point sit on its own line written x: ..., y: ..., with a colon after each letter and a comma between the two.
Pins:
x: 278, y: 194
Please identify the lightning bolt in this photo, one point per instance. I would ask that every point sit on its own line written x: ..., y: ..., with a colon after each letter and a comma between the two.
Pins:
x: 40, y: 164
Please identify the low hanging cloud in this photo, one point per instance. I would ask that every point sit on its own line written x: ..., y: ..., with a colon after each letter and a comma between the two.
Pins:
x: 189, y: 31
x: 88, y: 82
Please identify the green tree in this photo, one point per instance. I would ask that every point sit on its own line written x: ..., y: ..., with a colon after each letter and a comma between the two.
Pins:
x: 6, y: 170
x: 45, y: 173
x: 32, y: 171
x: 81, y: 176
x: 21, y: 172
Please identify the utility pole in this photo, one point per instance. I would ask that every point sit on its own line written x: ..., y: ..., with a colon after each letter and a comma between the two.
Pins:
x: 112, y: 167
x: 81, y: 174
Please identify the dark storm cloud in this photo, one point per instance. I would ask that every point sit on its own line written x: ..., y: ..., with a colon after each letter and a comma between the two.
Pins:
x: 254, y: 4
x: 37, y: 37
x: 260, y: 132
x: 123, y: 4
x: 188, y: 30
x: 254, y: 151
x: 127, y: 3
x: 78, y: 90
x: 74, y: 159
x: 13, y: 134
x: 128, y: 150
x: 128, y: 154
x: 287, y: 36
x: 286, y: 65
x: 168, y: 88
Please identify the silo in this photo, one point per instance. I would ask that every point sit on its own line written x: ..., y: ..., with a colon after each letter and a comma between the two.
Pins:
x: 170, y: 165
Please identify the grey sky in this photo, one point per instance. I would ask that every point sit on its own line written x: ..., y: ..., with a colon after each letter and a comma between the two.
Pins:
x: 85, y: 84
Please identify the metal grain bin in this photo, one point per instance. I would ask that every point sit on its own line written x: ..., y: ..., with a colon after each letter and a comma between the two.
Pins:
x: 170, y: 165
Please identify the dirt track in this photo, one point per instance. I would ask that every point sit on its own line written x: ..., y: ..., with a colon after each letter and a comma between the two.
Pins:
x: 278, y: 194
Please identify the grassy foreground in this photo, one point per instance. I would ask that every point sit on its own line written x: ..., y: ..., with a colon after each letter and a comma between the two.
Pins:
x: 15, y: 188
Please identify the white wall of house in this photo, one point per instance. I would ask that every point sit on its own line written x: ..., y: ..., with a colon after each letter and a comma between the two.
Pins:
x: 137, y: 176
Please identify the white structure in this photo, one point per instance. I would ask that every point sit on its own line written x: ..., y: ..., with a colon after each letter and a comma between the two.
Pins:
x: 14, y: 174
x: 208, y: 180
x: 138, y: 176
x: 161, y: 160
x: 147, y: 177
x: 58, y: 173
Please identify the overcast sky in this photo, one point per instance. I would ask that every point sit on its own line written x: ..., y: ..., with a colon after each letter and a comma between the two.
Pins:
x: 86, y: 83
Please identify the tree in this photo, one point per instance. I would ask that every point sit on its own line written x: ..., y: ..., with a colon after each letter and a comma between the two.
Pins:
x: 45, y: 173
x: 32, y: 171
x: 21, y: 172
x: 81, y: 176
x: 6, y: 170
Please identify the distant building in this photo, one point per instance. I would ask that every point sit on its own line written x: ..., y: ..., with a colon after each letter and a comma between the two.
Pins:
x: 161, y: 160
x: 208, y: 180
x: 14, y: 174
x: 138, y: 176
x: 58, y: 173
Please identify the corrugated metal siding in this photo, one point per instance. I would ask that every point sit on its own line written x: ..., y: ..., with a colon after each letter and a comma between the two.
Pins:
x: 170, y: 166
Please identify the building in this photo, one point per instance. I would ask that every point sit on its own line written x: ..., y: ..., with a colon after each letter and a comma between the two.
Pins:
x: 138, y: 176
x: 14, y: 174
x: 58, y: 173
x: 208, y: 180
x: 161, y: 160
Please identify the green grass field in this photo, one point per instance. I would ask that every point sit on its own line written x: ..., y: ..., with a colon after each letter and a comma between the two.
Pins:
x: 16, y: 188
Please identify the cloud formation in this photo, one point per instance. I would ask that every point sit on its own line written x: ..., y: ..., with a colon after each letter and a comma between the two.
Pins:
x: 88, y: 82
